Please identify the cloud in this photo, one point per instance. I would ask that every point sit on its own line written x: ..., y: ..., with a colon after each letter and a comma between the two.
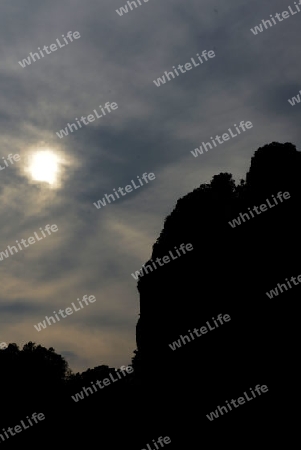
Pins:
x: 153, y: 130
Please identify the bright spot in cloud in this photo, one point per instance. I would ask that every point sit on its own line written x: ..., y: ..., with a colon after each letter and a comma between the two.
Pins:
x: 44, y: 166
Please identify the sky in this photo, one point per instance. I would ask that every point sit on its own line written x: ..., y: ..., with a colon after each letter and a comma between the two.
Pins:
x: 153, y: 130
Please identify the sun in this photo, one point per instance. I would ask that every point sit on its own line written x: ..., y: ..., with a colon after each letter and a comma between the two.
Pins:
x: 44, y: 166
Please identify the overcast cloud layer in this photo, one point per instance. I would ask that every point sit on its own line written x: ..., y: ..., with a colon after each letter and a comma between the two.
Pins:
x: 154, y: 129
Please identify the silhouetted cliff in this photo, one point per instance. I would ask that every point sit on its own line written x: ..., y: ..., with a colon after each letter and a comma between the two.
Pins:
x: 229, y: 272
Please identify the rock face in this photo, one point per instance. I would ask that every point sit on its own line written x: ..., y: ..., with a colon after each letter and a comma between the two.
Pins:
x: 228, y: 272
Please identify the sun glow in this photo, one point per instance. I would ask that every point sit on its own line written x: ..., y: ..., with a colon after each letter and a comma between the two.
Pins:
x: 44, y: 166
